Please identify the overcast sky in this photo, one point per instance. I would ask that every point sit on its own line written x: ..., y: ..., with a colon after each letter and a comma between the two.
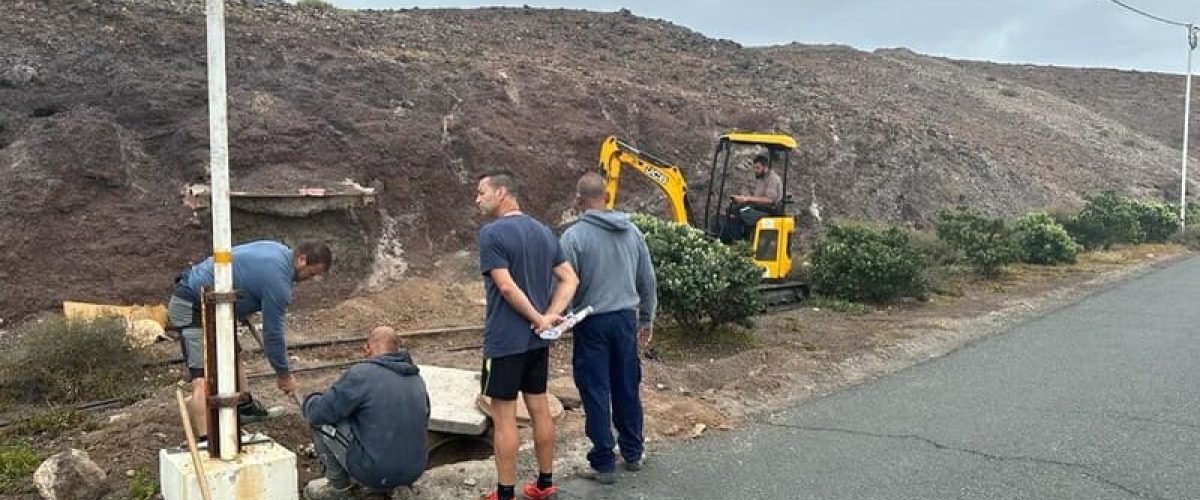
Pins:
x: 1058, y: 32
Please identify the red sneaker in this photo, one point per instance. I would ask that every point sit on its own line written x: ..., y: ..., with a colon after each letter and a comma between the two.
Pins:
x: 532, y: 492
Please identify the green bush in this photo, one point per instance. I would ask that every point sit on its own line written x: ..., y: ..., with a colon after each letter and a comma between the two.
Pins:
x: 314, y: 4
x: 862, y: 263
x: 1107, y: 219
x: 1043, y: 240
x: 702, y: 284
x: 1157, y: 222
x: 18, y: 460
x: 938, y: 252
x: 143, y: 486
x: 1189, y: 237
x: 61, y: 361
x: 986, y: 243
x: 52, y: 423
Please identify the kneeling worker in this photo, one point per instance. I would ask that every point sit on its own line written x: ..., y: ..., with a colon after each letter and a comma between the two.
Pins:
x: 370, y: 426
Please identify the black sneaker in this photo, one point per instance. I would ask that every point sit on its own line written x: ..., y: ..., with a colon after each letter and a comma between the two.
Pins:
x: 253, y: 412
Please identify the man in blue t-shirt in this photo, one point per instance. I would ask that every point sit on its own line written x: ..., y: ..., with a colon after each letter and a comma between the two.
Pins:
x: 529, y: 285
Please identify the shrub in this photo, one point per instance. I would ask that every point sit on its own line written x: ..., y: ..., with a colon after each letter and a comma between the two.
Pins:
x: 702, y: 284
x: 143, y: 486
x: 18, y: 460
x: 1157, y: 222
x: 65, y: 361
x: 862, y: 263
x: 1107, y: 219
x: 1042, y: 240
x: 986, y: 243
x: 1189, y: 237
x: 52, y: 423
x: 939, y: 252
x: 314, y: 4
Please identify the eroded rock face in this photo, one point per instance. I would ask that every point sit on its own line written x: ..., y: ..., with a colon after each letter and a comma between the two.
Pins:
x: 70, y: 475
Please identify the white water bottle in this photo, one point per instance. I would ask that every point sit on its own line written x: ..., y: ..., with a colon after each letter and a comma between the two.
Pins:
x: 569, y: 322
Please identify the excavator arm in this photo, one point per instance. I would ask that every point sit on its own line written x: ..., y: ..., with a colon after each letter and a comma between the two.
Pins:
x: 615, y: 153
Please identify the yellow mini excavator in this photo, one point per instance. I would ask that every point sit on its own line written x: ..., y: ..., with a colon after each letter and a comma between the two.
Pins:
x: 770, y: 236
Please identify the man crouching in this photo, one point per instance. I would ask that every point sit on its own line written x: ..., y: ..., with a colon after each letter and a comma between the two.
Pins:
x: 369, y: 428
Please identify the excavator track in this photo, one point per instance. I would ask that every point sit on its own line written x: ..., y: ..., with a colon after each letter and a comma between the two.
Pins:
x: 783, y: 295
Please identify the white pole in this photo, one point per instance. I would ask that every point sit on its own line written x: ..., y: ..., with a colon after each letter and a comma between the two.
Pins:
x: 222, y: 245
x: 1187, y: 111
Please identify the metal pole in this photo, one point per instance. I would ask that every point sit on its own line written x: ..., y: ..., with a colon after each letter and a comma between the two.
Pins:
x: 1187, y: 111
x: 222, y: 245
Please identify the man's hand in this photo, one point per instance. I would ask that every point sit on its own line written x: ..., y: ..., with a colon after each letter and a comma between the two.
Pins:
x: 287, y: 384
x: 545, y: 322
x: 645, y: 336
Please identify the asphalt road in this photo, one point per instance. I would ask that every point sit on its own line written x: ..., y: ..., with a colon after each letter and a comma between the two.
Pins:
x: 1095, y: 401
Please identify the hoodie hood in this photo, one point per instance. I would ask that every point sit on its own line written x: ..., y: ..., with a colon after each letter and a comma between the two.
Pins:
x: 399, y: 362
x: 607, y: 220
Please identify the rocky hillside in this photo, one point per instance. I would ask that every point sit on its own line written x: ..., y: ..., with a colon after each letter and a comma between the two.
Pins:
x: 103, y: 119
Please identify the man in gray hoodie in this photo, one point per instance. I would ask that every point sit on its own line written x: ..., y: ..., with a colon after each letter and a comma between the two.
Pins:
x: 371, y: 425
x: 616, y: 278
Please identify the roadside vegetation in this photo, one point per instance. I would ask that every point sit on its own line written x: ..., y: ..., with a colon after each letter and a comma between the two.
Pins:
x: 707, y: 290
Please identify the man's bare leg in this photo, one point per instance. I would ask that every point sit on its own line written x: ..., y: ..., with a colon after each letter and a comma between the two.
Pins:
x: 543, y: 431
x: 504, y: 417
x: 198, y: 404
x: 198, y: 407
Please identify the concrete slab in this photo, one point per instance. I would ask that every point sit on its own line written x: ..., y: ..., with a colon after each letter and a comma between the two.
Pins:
x: 265, y: 470
x: 452, y: 394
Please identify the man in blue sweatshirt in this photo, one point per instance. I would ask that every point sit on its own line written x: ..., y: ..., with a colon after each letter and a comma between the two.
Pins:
x: 370, y: 426
x: 263, y: 275
x: 616, y: 278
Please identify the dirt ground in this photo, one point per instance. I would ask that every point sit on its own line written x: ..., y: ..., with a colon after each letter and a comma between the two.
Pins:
x: 691, y: 389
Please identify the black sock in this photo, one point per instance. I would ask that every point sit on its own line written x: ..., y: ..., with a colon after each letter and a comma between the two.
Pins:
x: 506, y: 492
x: 545, y: 480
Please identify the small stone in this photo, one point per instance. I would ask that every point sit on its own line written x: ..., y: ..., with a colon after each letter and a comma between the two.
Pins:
x: 130, y: 473
x: 660, y: 386
x: 470, y: 481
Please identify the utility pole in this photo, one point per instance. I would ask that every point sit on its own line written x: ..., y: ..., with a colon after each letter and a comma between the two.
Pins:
x: 1187, y: 111
x: 218, y: 132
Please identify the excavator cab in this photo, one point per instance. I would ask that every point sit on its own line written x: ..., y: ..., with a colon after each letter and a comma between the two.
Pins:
x: 767, y: 227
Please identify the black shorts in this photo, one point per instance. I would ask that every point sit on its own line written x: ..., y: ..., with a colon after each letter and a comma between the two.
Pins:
x: 502, y: 378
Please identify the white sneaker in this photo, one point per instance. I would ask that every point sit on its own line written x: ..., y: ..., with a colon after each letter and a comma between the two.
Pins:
x: 320, y: 489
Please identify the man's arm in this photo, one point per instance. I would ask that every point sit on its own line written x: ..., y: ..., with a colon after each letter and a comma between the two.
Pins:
x: 336, y: 405
x: 515, y: 297
x: 647, y: 287
x: 274, y: 305
x: 752, y: 200
x: 564, y: 290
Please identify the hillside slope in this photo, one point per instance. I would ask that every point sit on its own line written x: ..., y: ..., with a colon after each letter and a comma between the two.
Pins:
x: 103, y: 119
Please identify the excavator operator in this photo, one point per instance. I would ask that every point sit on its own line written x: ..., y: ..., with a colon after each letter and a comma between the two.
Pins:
x: 745, y: 210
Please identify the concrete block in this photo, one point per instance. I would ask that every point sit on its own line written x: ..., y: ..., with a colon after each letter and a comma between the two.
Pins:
x: 264, y: 470
x: 452, y: 394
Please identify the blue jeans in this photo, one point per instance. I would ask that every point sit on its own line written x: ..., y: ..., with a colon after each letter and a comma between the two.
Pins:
x: 608, y: 374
